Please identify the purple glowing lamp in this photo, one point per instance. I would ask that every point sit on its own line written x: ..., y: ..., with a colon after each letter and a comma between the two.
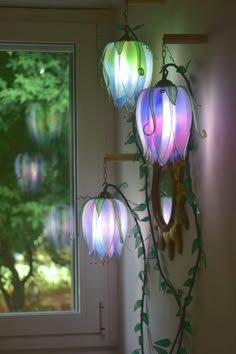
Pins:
x: 164, y: 119
x: 104, y: 226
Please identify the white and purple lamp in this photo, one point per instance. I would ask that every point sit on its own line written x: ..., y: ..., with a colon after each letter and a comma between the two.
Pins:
x: 104, y: 226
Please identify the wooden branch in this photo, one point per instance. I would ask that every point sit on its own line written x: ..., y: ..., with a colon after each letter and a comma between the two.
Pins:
x: 185, y: 38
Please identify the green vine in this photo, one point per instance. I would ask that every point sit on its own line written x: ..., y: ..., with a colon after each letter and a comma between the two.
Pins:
x: 164, y: 345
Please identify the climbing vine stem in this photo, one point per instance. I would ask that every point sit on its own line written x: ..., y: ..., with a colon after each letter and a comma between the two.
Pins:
x: 144, y: 277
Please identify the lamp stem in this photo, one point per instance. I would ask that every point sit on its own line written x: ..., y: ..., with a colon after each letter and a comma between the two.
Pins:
x: 104, y: 171
x: 163, y: 53
x: 126, y: 14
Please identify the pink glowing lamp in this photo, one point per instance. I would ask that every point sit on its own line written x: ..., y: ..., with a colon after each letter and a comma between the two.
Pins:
x: 164, y: 119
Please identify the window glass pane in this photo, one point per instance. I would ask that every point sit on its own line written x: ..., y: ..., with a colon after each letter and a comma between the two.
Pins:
x: 36, y: 215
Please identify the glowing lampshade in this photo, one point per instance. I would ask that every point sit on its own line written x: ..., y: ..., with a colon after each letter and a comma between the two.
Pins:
x: 104, y: 225
x: 127, y: 69
x: 164, y: 119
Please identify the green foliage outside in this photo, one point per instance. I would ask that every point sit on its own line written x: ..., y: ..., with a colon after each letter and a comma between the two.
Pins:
x: 28, y: 79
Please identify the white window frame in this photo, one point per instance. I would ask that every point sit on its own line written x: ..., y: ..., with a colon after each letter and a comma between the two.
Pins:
x: 96, y: 324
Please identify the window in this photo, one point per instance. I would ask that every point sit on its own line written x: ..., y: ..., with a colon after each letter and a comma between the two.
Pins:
x: 74, y: 149
x: 38, y: 266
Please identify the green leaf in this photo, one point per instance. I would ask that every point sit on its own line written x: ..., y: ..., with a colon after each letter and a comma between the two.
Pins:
x: 115, y: 194
x: 137, y: 241
x: 163, y: 343
x: 171, y: 92
x: 142, y: 189
x: 140, y: 207
x: 188, y: 283
x: 140, y: 251
x: 187, y: 65
x: 120, y: 27
x: 145, y: 219
x: 137, y: 156
x: 156, y: 267
x: 181, y: 69
x: 191, y: 271
x: 182, y: 351
x: 99, y: 204
x: 195, y: 246
x: 189, y: 300
x: 160, y: 350
x: 143, y: 170
x: 152, y: 255
x: 140, y: 340
x: 130, y: 140
x: 137, y: 27
x: 170, y: 291
x: 137, y: 327
x: 191, y: 198
x: 141, y: 275
x: 135, y: 215
x: 163, y: 285
x: 203, y: 256
x: 179, y: 292
x: 191, y: 144
x: 136, y: 351
x: 130, y: 119
x: 187, y: 327
x: 144, y: 317
x: 138, y: 304
x: 179, y: 312
x: 136, y: 230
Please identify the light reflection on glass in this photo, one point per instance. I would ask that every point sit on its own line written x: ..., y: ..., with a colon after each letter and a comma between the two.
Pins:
x: 30, y: 171
x: 58, y: 226
x: 166, y: 208
x: 43, y: 123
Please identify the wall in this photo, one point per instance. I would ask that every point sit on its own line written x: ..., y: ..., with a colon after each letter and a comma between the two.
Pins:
x: 213, y: 170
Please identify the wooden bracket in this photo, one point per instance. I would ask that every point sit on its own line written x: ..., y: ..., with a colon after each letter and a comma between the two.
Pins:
x: 185, y: 38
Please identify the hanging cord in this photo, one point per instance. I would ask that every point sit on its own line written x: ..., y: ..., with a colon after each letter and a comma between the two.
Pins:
x: 163, y: 53
x: 104, y: 171
x: 126, y: 14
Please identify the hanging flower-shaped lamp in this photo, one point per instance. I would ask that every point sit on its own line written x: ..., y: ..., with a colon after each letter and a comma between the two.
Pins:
x: 104, y: 226
x: 164, y: 119
x: 127, y: 67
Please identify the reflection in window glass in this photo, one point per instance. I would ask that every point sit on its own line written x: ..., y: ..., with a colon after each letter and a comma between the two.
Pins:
x: 36, y: 217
